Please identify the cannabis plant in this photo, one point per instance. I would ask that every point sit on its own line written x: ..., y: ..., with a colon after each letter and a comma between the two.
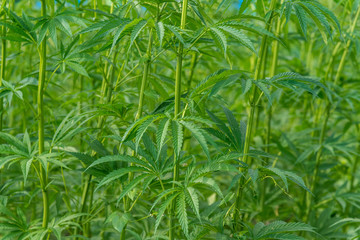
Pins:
x: 179, y: 119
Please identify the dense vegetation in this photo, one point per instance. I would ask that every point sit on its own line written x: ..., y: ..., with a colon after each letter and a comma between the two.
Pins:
x: 169, y: 119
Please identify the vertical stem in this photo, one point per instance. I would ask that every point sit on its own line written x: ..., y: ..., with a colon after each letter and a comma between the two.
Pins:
x: 3, y: 67
x: 177, y: 111
x: 309, y: 199
x: 179, y: 62
x: 275, y: 57
x: 80, y: 109
x: 253, y: 102
x: 192, y: 70
x: 40, y: 108
x: 193, y: 63
x: 144, y: 77
x: 94, y: 7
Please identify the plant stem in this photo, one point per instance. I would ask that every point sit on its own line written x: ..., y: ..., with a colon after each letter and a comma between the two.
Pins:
x: 275, y: 57
x: 40, y: 108
x: 179, y: 62
x: 145, y: 77
x: 177, y: 106
x: 192, y: 70
x: 94, y: 7
x: 193, y: 64
x: 2, y: 73
x: 253, y: 101
x: 272, y: 73
x: 80, y: 109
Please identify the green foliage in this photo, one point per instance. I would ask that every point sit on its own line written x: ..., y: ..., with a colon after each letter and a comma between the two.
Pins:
x: 264, y: 144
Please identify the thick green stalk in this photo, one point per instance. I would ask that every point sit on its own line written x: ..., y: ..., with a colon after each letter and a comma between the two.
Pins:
x: 144, y: 77
x: 192, y: 70
x: 274, y: 63
x: 179, y: 62
x: 94, y: 7
x: 177, y: 107
x: 258, y: 111
x: 253, y: 102
x: 40, y: 108
x: 239, y: 192
x: 3, y: 67
x: 40, y: 105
